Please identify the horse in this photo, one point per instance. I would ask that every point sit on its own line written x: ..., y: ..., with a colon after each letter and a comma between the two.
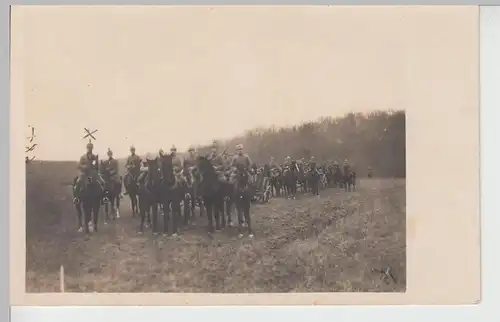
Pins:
x: 313, y: 177
x: 302, y: 178
x: 337, y: 177
x: 188, y: 187
x: 276, y: 182
x: 78, y: 205
x: 290, y: 178
x: 323, y: 175
x: 112, y: 190
x: 243, y: 192
x: 149, y: 193
x: 89, y: 196
x: 350, y: 180
x: 132, y: 189
x: 211, y: 191
x: 197, y: 200
x: 228, y: 202
x: 171, y: 195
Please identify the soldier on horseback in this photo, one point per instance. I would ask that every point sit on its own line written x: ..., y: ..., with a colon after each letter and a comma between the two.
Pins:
x: 346, y: 167
x: 88, y: 166
x: 132, y: 167
x: 110, y: 166
x: 143, y: 167
x: 176, y: 161
x: 217, y: 160
x: 241, y: 160
x: 312, y: 164
x: 288, y: 162
x: 190, y: 160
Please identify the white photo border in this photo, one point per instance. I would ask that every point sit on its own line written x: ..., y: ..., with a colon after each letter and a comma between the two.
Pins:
x: 490, y: 223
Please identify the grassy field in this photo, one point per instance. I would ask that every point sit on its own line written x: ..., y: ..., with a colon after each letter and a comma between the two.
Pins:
x: 328, y: 244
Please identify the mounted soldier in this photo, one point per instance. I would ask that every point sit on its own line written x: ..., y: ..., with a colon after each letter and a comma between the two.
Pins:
x: 143, y: 168
x: 88, y: 167
x: 190, y: 160
x: 288, y: 162
x: 110, y: 167
x: 132, y: 167
x: 241, y: 160
x: 312, y: 164
x: 346, y: 167
x: 217, y: 160
x: 176, y: 161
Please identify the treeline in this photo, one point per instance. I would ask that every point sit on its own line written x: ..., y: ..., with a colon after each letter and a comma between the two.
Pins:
x: 376, y: 140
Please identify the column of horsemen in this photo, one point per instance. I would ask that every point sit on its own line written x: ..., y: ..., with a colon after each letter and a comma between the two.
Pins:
x: 269, y: 180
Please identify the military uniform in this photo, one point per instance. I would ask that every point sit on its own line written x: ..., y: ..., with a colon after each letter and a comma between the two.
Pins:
x: 143, y: 170
x: 111, y: 166
x: 189, y: 162
x: 216, y: 160
x: 312, y: 163
x: 242, y: 160
x: 87, y: 166
x: 177, y: 164
x: 133, y: 165
x: 346, y: 167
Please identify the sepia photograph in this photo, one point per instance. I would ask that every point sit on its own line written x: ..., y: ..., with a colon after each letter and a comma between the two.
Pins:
x: 222, y: 152
x: 143, y: 174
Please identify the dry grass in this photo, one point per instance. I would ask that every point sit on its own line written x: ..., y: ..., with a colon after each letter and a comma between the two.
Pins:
x: 330, y: 244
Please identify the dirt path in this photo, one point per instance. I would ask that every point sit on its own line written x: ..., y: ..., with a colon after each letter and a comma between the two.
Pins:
x: 331, y: 243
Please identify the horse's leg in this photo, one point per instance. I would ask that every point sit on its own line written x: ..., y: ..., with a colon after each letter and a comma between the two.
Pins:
x: 95, y: 214
x: 154, y: 214
x: 193, y: 205
x: 187, y: 207
x: 176, y: 214
x: 136, y: 203
x: 133, y: 203
x: 106, y: 212
x: 216, y: 212
x: 239, y: 212
x: 78, y: 207
x: 222, y: 211
x: 246, y: 212
x: 118, y: 203
x: 166, y: 216
x: 202, y: 206
x: 229, y: 206
x: 86, y: 217
x: 142, y: 214
x: 112, y: 204
x: 209, y: 208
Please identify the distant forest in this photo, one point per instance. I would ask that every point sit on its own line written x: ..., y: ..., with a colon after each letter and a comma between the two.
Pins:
x: 377, y: 139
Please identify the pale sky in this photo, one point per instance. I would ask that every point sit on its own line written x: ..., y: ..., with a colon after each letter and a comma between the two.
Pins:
x: 154, y: 76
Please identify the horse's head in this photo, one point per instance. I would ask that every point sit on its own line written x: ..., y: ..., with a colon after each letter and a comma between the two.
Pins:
x: 154, y: 175
x: 205, y: 166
